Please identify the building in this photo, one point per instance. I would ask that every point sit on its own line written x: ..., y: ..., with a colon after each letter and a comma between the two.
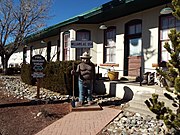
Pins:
x: 131, y: 36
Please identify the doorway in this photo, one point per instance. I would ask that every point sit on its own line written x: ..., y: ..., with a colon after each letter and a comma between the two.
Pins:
x: 133, y: 48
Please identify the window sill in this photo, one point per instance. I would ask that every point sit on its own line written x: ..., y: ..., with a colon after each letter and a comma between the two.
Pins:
x: 110, y: 65
x: 155, y: 65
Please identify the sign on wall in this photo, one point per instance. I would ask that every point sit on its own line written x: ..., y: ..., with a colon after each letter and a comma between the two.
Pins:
x: 81, y: 44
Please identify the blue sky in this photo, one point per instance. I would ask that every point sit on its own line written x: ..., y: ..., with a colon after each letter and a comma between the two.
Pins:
x: 65, y: 9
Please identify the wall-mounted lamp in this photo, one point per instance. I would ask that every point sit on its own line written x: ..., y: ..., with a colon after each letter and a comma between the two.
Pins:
x: 166, y: 10
x: 103, y: 27
x: 43, y: 42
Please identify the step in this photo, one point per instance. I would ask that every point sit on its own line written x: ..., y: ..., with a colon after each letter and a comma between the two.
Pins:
x: 140, y: 105
x: 141, y: 98
x: 147, y: 96
x: 87, y: 108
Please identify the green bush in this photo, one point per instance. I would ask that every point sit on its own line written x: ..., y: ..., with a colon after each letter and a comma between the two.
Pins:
x: 54, y: 78
x: 26, y: 74
x: 67, y: 67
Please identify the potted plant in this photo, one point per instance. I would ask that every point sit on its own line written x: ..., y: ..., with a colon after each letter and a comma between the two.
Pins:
x: 112, y: 74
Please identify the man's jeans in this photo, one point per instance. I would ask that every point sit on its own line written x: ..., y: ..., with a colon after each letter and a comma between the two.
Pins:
x: 83, y: 90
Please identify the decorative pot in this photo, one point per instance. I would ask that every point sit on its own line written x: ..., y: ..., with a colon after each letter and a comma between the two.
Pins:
x: 113, y: 75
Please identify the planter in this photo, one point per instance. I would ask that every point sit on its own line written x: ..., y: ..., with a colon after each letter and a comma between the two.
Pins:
x: 113, y: 75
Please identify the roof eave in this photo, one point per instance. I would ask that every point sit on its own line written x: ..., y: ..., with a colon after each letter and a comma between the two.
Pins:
x: 106, y: 12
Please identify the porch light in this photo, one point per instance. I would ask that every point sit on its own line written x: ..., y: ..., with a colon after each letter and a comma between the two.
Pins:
x: 103, y: 27
x: 43, y: 42
x: 166, y: 10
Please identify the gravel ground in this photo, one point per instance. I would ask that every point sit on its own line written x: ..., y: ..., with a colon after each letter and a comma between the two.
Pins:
x: 24, y: 119
x: 16, y: 118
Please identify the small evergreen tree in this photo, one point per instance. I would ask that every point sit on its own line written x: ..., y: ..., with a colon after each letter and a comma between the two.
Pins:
x: 171, y: 118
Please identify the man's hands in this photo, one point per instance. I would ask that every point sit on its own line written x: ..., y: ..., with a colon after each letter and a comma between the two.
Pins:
x: 73, y: 72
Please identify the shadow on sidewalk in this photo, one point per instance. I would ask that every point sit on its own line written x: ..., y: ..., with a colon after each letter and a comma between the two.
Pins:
x: 128, y: 96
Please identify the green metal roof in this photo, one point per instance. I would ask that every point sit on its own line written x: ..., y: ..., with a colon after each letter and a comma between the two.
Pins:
x: 108, y: 11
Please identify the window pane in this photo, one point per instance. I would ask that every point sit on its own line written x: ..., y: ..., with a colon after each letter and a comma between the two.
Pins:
x: 165, y: 55
x: 67, y: 54
x: 171, y: 22
x: 178, y: 29
x: 164, y: 34
x: 111, y: 43
x: 113, y: 55
x: 164, y: 24
x: 110, y: 55
x: 83, y: 36
x: 138, y: 28
x: 177, y: 22
x: 131, y: 29
x: 135, y: 46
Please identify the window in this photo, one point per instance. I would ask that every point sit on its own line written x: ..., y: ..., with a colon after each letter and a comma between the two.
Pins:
x: 66, y: 46
x: 110, y: 45
x: 134, y: 37
x: 134, y: 29
x: 166, y: 23
x: 82, y: 35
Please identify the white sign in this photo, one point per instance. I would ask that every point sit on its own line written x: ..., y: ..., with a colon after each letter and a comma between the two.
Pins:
x: 37, y: 75
x: 81, y: 44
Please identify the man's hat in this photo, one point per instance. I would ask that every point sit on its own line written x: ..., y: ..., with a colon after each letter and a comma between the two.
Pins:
x: 85, y: 55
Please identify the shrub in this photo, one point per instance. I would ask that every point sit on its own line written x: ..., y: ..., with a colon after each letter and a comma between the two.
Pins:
x: 26, y: 74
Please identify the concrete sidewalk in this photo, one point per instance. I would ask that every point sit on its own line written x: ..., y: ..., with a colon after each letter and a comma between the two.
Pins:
x: 81, y: 123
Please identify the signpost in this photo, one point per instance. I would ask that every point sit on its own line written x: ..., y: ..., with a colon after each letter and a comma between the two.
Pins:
x: 38, y: 64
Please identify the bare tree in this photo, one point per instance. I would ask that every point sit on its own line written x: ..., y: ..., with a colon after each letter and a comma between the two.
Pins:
x: 18, y: 19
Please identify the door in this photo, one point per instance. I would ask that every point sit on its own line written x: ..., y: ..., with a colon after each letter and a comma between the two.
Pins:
x: 134, y: 59
x: 133, y: 48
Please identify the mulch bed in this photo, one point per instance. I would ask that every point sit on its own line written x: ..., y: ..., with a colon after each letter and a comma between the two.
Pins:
x: 19, y: 118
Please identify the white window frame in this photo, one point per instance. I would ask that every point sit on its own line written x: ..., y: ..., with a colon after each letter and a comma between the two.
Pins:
x: 110, y: 45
